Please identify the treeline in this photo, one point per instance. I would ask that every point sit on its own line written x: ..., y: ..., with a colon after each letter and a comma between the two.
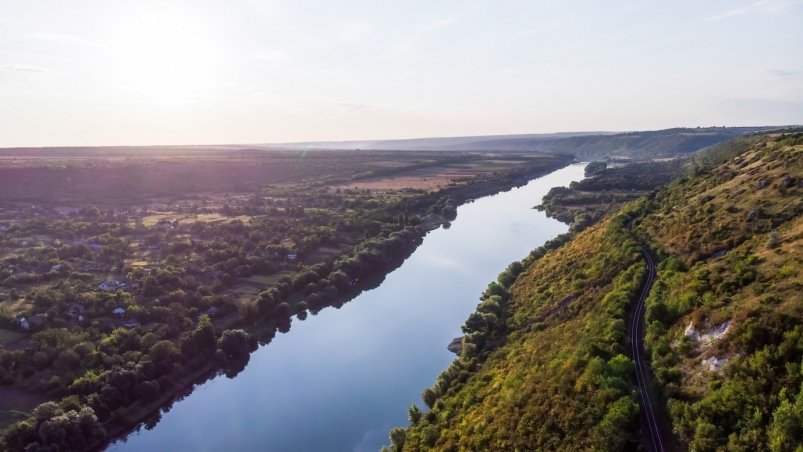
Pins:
x: 120, y: 350
x: 605, y: 189
x: 540, y: 369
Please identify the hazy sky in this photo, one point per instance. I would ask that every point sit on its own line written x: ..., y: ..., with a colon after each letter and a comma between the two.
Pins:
x: 100, y: 72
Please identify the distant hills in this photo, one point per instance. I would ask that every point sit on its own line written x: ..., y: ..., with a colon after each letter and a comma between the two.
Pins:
x: 587, y: 146
x: 584, y: 145
x: 431, y: 144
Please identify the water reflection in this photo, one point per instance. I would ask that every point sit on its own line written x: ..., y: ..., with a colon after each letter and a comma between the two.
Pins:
x: 340, y: 379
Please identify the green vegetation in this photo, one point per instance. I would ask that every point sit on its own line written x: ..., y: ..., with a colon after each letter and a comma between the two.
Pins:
x: 112, y: 304
x: 724, y: 318
x: 667, y: 143
x: 548, y: 370
x: 543, y: 364
x: 608, y: 188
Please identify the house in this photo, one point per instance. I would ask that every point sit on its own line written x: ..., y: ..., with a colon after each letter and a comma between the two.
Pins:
x: 130, y: 323
x: 212, y: 312
x: 292, y: 256
x: 55, y: 268
x: 108, y: 286
x: 32, y: 323
x: 75, y: 312
x: 119, y: 312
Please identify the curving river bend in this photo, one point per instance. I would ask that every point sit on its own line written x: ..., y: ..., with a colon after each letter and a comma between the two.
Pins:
x: 340, y: 380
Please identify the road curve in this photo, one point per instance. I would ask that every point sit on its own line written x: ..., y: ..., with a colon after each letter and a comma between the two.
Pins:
x: 646, y: 392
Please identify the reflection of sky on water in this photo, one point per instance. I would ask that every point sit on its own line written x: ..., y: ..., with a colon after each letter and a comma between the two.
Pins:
x: 339, y: 380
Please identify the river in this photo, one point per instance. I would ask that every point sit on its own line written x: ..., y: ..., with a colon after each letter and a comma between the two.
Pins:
x: 340, y: 380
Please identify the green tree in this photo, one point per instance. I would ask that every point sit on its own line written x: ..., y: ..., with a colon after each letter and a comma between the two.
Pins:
x: 234, y: 343
x: 397, y: 438
x: 786, y: 431
x: 164, y: 353
x: 414, y: 414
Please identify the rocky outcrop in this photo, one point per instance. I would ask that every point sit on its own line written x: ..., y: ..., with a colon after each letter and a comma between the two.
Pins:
x: 456, y: 345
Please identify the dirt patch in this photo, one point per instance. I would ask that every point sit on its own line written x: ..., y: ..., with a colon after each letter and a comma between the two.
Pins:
x: 402, y: 182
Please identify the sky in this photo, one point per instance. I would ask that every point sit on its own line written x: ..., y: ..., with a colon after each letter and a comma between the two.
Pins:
x: 109, y: 72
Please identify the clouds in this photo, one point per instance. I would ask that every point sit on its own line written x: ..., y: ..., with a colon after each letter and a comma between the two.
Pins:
x: 67, y: 39
x: 351, y: 32
x: 757, y: 7
x: 277, y: 70
x: 270, y: 55
x: 784, y: 73
x: 23, y: 69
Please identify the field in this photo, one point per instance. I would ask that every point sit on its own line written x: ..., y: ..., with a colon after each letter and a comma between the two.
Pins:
x: 114, y: 262
x: 8, y: 337
x: 438, y: 176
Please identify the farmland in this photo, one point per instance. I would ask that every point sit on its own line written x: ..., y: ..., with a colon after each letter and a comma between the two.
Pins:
x: 126, y: 275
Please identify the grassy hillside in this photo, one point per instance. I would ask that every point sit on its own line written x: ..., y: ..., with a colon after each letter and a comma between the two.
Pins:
x: 726, y: 315
x: 724, y: 331
x: 561, y: 379
x: 640, y: 145
x: 584, y: 145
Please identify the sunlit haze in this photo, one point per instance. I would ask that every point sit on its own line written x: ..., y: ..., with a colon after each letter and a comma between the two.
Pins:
x: 251, y: 71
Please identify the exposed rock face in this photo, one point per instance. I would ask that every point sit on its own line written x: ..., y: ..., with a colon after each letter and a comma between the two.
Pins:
x: 713, y: 363
x: 456, y: 345
x: 708, y: 337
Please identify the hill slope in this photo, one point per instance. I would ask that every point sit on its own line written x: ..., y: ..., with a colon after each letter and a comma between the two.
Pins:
x: 584, y: 145
x: 543, y: 363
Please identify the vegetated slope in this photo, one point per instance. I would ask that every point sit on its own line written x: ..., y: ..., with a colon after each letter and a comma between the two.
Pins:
x: 642, y: 145
x: 583, y: 145
x: 560, y: 380
x: 724, y: 324
x: 606, y: 189
x: 725, y: 319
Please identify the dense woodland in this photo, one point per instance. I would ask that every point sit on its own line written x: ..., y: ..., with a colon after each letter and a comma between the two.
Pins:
x: 109, y: 308
x: 544, y: 364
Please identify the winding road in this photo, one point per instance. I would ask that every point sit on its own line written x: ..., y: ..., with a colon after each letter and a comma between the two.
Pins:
x: 649, y: 399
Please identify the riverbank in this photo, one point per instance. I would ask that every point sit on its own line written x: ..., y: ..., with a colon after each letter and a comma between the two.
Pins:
x: 265, y: 330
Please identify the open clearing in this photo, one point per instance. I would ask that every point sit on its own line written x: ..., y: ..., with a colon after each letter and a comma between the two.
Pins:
x: 8, y: 336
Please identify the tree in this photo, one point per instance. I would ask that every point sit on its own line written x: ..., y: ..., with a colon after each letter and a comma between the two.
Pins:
x: 164, y: 353
x: 397, y: 437
x: 429, y: 396
x: 148, y: 390
x: 786, y: 430
x: 282, y: 310
x: 414, y: 414
x: 234, y: 343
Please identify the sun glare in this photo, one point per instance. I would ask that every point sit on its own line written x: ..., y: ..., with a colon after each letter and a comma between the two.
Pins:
x: 165, y: 57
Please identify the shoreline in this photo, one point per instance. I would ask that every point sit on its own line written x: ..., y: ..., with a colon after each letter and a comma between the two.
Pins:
x: 131, y: 419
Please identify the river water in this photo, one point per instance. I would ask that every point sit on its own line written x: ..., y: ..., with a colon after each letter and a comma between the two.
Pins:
x: 340, y: 380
